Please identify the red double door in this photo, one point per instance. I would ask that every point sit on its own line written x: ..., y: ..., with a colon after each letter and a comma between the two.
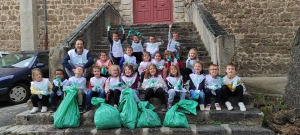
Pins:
x: 152, y: 11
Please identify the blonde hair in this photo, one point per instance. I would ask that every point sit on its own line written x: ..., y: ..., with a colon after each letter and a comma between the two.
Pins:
x: 147, y: 74
x: 177, y: 68
x: 195, y: 51
x: 34, y: 71
x: 130, y: 67
x: 113, y: 67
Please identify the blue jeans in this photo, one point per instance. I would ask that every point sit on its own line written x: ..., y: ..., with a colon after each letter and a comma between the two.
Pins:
x: 136, y: 98
x: 172, y: 93
x: 208, y: 94
x: 89, y: 96
x: 200, y: 98
x: 54, y: 97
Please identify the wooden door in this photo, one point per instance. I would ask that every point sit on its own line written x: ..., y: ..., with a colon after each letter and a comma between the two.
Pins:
x: 152, y: 11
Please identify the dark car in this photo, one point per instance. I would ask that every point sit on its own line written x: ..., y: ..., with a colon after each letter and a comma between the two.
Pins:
x: 15, y: 74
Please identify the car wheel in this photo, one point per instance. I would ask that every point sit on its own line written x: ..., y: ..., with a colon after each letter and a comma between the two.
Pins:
x: 19, y: 93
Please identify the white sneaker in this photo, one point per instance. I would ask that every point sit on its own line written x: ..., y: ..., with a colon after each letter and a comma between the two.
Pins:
x: 218, y: 107
x: 34, y: 110
x: 228, y: 105
x: 242, y: 106
x: 201, y: 107
x: 44, y: 109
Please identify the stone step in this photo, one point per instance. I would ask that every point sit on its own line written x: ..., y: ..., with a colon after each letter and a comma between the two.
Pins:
x: 211, y: 129
x: 182, y: 41
x: 248, y: 100
x: 184, y: 53
x: 158, y: 33
x: 105, y: 44
x: 162, y: 36
x: 251, y: 117
x: 162, y: 25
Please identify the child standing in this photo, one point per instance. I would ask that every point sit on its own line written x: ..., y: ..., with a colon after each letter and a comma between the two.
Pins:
x: 116, y: 49
x: 173, y: 44
x: 144, y: 64
x: 104, y: 64
x: 40, y: 89
x: 158, y: 62
x: 113, y: 85
x: 80, y: 83
x: 137, y: 46
x: 175, y: 85
x: 153, y: 46
x: 197, y: 85
x: 128, y: 59
x: 58, y: 84
x: 96, y: 86
x: 130, y: 79
x: 154, y: 86
x: 233, y: 86
x: 213, y: 84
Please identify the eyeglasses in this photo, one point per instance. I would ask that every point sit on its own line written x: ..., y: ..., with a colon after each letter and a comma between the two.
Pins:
x: 214, y: 69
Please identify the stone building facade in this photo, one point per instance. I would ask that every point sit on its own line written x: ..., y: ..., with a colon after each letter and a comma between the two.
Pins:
x: 264, y: 32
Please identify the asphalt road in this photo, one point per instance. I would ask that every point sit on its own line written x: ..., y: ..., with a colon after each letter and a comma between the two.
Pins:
x: 8, y: 113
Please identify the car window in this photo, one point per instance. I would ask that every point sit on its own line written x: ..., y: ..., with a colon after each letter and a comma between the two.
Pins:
x: 18, y: 60
x: 43, y: 58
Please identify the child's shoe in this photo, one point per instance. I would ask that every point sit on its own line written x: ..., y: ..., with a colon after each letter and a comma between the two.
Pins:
x: 228, y: 105
x: 164, y: 108
x: 201, y: 107
x: 53, y: 109
x: 242, y: 106
x: 218, y: 107
x: 169, y: 105
x: 207, y: 108
x: 34, y: 110
x: 44, y: 109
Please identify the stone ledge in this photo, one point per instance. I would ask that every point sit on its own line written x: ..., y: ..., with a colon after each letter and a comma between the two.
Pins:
x: 91, y: 130
x: 250, y: 117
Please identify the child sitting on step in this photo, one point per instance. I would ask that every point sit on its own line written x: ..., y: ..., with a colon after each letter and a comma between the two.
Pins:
x: 154, y: 86
x: 233, y: 86
x: 40, y: 89
x: 58, y: 84
x: 159, y: 63
x: 144, y: 64
x: 113, y: 85
x: 173, y: 44
x: 80, y: 83
x: 128, y: 59
x: 170, y: 60
x: 175, y: 85
x: 104, y: 63
x: 96, y: 87
x: 137, y: 45
x: 116, y: 49
x: 196, y: 85
x: 152, y: 47
x: 130, y: 79
x: 213, y: 84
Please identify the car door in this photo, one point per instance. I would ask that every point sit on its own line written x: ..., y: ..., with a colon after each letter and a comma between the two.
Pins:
x: 42, y: 62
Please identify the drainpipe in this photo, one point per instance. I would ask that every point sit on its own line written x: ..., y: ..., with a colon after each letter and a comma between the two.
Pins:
x: 45, y: 27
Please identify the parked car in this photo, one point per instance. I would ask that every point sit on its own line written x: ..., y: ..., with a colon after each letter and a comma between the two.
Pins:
x: 2, y: 54
x: 15, y: 74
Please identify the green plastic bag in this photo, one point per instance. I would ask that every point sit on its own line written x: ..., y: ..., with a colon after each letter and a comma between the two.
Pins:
x: 67, y: 114
x: 106, y: 116
x: 128, y: 109
x: 147, y: 118
x: 178, y: 119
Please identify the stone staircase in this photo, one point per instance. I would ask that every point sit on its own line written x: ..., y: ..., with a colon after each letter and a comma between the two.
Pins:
x: 188, y: 38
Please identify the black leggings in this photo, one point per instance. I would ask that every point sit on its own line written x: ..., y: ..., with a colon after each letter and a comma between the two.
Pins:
x: 227, y: 92
x: 116, y: 60
x: 138, y: 56
x: 115, y: 94
x: 35, y: 98
x: 185, y: 72
x: 142, y: 76
x: 160, y: 93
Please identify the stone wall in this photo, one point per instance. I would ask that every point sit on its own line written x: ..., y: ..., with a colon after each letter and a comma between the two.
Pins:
x: 264, y: 32
x: 10, y: 38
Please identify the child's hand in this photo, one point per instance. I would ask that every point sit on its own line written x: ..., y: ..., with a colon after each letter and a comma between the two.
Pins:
x: 170, y: 25
x: 122, y: 29
x: 159, y: 39
x: 137, y: 33
x: 108, y: 27
x: 130, y: 32
x: 189, y: 58
x: 169, y: 58
x: 177, y: 57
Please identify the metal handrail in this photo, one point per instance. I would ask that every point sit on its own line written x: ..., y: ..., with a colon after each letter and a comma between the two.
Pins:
x: 89, y: 20
x: 204, y: 18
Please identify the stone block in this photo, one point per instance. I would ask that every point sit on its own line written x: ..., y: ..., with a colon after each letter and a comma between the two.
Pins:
x: 211, y: 130
x: 242, y: 130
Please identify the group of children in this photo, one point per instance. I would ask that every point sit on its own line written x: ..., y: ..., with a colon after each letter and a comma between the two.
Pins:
x: 157, y: 74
